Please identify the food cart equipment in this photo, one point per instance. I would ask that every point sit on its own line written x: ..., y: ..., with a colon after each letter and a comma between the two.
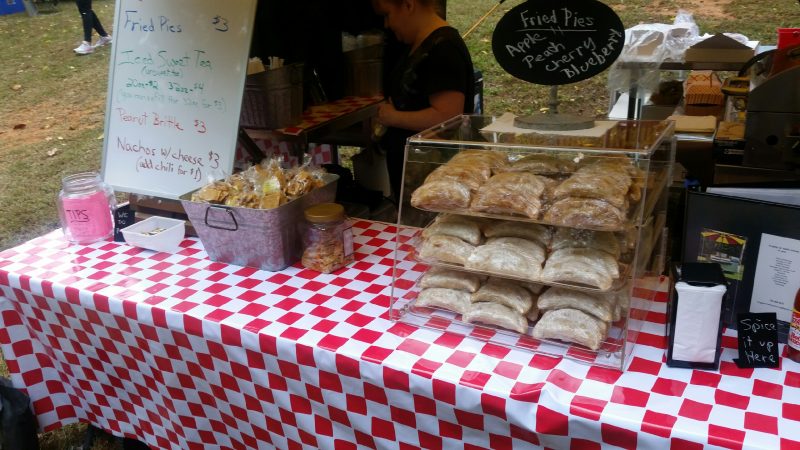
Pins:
x: 772, y: 130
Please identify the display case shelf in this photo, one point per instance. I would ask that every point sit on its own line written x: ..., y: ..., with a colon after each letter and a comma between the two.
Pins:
x: 643, y: 148
x: 619, y: 283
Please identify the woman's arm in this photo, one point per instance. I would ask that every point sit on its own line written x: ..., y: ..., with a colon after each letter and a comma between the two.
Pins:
x: 444, y: 105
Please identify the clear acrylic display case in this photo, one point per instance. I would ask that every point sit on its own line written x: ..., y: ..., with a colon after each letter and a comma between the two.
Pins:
x: 648, y: 150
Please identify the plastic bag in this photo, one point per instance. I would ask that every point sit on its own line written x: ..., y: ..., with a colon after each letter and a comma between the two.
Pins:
x: 18, y: 426
x: 649, y: 45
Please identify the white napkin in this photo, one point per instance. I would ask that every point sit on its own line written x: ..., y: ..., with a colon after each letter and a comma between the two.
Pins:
x: 697, y: 322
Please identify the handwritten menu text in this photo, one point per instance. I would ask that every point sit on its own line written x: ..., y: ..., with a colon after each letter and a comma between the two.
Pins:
x: 178, y: 72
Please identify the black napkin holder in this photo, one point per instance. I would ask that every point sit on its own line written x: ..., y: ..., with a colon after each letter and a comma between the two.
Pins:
x: 708, y: 275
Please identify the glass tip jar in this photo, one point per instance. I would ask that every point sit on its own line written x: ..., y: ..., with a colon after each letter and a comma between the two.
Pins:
x: 86, y: 206
x: 327, y: 238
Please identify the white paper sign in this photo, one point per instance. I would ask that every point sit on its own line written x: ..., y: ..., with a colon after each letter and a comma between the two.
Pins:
x: 777, y: 276
x: 175, y: 89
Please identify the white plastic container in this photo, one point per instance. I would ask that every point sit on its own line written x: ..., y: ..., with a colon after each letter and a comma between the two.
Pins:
x: 160, y: 234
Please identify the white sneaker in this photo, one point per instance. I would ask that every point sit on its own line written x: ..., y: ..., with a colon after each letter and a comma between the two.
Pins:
x: 103, y: 41
x: 84, y: 49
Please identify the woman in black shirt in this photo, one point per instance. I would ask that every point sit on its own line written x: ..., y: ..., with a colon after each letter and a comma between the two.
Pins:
x: 432, y: 81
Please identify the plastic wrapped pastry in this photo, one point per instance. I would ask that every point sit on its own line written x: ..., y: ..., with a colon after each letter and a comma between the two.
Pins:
x: 505, y: 292
x: 581, y: 266
x: 601, y: 306
x: 606, y: 180
x: 543, y: 164
x: 531, y: 248
x: 449, y: 299
x: 472, y: 176
x: 444, y: 194
x: 576, y: 238
x: 577, y: 272
x: 602, y: 260
x: 508, y: 256
x: 496, y: 314
x: 623, y: 165
x: 437, y: 277
x: 511, y: 193
x: 585, y: 213
x: 571, y: 325
x: 513, y: 228
x: 495, y: 159
x: 462, y: 227
x: 446, y: 249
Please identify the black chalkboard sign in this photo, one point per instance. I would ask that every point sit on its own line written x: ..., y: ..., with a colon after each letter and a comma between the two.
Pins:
x: 124, y: 216
x: 758, y: 340
x: 554, y: 42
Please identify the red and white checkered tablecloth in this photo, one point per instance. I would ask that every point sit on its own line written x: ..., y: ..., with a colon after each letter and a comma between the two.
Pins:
x: 316, y: 115
x: 185, y: 353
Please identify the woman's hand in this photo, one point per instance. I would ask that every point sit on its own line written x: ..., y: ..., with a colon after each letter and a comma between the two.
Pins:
x: 444, y: 105
x: 386, y: 112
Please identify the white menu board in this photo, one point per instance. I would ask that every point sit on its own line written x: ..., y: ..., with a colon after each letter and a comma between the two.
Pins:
x: 175, y: 87
x: 777, y: 278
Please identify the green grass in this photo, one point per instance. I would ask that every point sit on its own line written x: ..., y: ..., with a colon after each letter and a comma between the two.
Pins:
x: 57, y: 100
x: 60, y: 98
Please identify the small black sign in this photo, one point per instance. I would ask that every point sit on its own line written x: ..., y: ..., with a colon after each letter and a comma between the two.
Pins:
x: 124, y: 216
x: 758, y: 340
x: 554, y: 42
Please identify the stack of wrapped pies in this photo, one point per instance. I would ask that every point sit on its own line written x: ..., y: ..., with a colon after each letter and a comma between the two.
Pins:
x: 509, y: 250
x: 512, y: 193
x: 451, y: 186
x: 451, y: 239
x: 566, y: 315
x: 580, y: 192
x: 523, y: 250
x: 510, y: 256
x: 597, y: 195
x: 583, y: 257
x: 578, y: 317
x: 494, y: 301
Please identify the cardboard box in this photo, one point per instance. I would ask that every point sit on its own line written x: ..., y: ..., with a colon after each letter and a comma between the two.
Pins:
x: 704, y: 110
x: 694, y: 124
x: 720, y: 48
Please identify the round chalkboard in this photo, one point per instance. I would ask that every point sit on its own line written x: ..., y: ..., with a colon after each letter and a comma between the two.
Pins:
x: 554, y: 42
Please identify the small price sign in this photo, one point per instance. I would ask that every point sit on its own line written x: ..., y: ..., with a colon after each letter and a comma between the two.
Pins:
x: 124, y: 216
x: 758, y: 340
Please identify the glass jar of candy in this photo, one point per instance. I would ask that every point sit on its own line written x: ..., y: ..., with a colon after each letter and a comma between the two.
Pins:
x: 327, y: 238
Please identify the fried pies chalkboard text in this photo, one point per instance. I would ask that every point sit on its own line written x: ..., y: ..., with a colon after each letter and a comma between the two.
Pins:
x: 555, y: 42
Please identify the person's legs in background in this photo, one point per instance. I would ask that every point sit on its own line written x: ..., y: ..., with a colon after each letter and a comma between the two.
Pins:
x: 90, y: 21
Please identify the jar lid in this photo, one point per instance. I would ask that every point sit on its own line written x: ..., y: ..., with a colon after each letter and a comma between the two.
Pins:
x: 325, y: 212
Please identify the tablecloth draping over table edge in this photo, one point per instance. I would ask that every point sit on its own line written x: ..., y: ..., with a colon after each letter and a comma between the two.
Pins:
x: 185, y: 353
